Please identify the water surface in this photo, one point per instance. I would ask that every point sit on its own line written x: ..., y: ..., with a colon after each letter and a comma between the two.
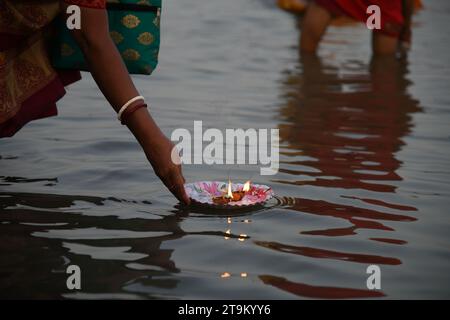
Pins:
x: 364, y: 173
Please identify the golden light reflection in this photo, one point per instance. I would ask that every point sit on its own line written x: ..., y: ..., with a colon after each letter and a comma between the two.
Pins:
x: 228, y: 232
x: 242, y: 237
x: 228, y: 275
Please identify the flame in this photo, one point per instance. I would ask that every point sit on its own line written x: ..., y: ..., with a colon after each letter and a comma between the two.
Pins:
x: 230, y: 193
x: 246, y: 186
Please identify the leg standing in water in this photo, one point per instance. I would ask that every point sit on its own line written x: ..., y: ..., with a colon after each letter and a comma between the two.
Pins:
x: 394, y: 35
x: 383, y: 44
x: 314, y: 25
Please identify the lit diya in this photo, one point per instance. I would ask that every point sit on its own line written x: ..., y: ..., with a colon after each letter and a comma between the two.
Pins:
x: 228, y: 195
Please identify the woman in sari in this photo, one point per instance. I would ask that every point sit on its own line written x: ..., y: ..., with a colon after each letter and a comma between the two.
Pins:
x: 30, y: 86
x: 394, y: 35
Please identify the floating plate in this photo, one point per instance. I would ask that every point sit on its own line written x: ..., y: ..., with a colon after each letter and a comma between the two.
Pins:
x: 203, y: 192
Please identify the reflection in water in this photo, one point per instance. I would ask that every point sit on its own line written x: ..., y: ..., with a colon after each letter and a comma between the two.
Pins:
x: 304, y: 290
x: 347, y: 212
x: 342, y: 132
x: 6, y: 181
x: 346, y: 125
x: 346, y: 199
x: 105, y: 246
x: 350, y: 126
x: 120, y: 258
x: 328, y: 254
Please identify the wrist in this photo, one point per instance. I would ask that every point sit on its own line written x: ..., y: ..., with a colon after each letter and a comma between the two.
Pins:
x: 144, y: 128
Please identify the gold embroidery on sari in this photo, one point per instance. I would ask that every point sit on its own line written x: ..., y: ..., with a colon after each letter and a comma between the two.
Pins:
x: 25, y: 75
x: 116, y: 36
x: 131, y: 54
x: 66, y: 50
x: 130, y: 21
x: 146, y: 38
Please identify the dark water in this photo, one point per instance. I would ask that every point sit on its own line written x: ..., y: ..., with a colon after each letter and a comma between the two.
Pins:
x: 364, y: 175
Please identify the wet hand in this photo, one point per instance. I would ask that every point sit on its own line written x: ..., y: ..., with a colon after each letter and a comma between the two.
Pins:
x: 158, y: 149
x: 166, y: 166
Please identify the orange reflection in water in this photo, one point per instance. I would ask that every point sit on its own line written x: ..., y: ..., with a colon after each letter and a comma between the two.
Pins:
x: 342, y: 127
x: 360, y: 218
x: 328, y: 254
x: 349, y: 124
x: 304, y: 290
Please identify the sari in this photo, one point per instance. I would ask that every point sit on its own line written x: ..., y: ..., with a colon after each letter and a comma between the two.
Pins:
x: 299, y: 6
x: 392, y: 20
x: 29, y: 85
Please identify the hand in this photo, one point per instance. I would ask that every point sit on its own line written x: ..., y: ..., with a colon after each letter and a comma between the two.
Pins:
x: 158, y: 150
x: 159, y: 154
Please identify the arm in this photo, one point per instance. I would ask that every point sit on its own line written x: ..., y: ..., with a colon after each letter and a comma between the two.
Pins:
x: 111, y: 76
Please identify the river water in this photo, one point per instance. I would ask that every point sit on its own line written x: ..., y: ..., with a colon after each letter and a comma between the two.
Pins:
x: 364, y: 170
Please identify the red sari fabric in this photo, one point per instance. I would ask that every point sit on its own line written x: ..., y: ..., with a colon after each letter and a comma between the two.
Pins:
x: 95, y: 4
x: 391, y: 12
x: 29, y: 85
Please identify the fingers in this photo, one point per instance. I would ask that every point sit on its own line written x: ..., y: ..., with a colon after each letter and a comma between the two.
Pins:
x: 174, y: 181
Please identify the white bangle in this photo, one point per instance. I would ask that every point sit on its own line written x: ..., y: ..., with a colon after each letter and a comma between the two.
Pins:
x: 126, y: 105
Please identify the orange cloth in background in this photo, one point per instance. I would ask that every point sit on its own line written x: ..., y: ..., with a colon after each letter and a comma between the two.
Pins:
x: 295, y: 6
